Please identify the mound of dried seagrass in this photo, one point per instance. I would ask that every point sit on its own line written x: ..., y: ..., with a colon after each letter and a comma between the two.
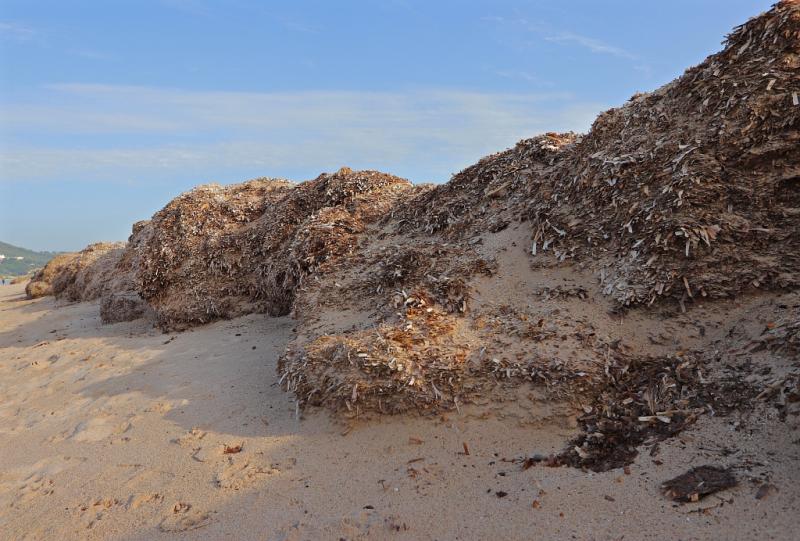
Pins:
x: 691, y: 192
x: 41, y: 283
x: 218, y: 252
x: 120, y: 300
x: 78, y: 276
x: 86, y: 277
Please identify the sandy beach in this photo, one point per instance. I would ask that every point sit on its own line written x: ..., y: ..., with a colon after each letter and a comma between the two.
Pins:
x: 398, y: 271
x: 123, y: 432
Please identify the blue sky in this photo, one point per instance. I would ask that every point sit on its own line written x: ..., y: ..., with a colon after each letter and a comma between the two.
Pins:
x: 108, y: 109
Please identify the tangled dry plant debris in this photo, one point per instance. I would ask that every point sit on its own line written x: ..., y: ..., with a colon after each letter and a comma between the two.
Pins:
x: 85, y: 278
x: 41, y: 283
x: 218, y: 252
x: 647, y: 400
x: 689, y: 193
x: 179, y: 272
x: 78, y: 276
x: 692, y: 190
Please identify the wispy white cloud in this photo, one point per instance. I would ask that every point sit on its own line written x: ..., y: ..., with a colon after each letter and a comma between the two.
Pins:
x: 428, y: 132
x: 192, y: 7
x: 593, y: 45
x: 644, y: 69
x: 523, y: 75
x: 92, y: 54
x: 15, y: 31
x: 299, y: 26
x: 554, y: 35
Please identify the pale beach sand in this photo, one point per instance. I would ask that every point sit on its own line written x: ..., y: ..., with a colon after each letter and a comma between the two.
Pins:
x: 118, y: 432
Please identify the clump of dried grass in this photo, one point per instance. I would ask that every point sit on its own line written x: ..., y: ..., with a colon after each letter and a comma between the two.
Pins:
x: 41, y: 283
x: 85, y: 277
x: 218, y: 252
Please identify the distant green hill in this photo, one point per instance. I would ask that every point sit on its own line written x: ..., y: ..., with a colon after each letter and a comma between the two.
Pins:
x: 11, y: 266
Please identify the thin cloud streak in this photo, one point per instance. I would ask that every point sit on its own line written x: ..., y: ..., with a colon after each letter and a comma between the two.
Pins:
x: 92, y: 55
x: 15, y: 31
x: 558, y: 36
x: 427, y: 132
x: 593, y: 45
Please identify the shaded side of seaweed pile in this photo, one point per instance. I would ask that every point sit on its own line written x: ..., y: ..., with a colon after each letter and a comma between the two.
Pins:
x: 121, y: 300
x: 315, y: 224
x: 177, y: 273
x: 81, y: 276
x: 221, y: 252
x: 41, y: 283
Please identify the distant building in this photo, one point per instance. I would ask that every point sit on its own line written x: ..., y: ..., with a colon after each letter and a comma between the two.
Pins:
x: 19, y: 258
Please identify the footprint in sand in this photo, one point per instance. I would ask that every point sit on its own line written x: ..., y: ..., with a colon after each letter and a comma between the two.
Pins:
x: 36, y: 485
x: 191, y: 438
x: 20, y: 485
x: 184, y: 518
x: 43, y: 364
x: 98, y: 428
x: 236, y: 475
x: 159, y: 407
x: 138, y: 500
x: 96, y: 510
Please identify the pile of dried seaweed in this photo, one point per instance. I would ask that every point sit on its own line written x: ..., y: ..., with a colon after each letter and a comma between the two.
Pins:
x: 221, y: 252
x: 690, y: 192
x: 218, y: 252
x: 121, y: 300
x: 41, y: 283
x: 87, y: 276
x: 311, y: 227
x: 80, y: 276
x: 414, y: 364
x: 485, y: 196
x: 178, y: 270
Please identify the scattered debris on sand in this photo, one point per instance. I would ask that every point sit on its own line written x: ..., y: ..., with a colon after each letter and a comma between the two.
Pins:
x: 699, y: 482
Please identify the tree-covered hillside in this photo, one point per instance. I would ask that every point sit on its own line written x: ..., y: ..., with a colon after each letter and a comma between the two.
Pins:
x: 10, y: 265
